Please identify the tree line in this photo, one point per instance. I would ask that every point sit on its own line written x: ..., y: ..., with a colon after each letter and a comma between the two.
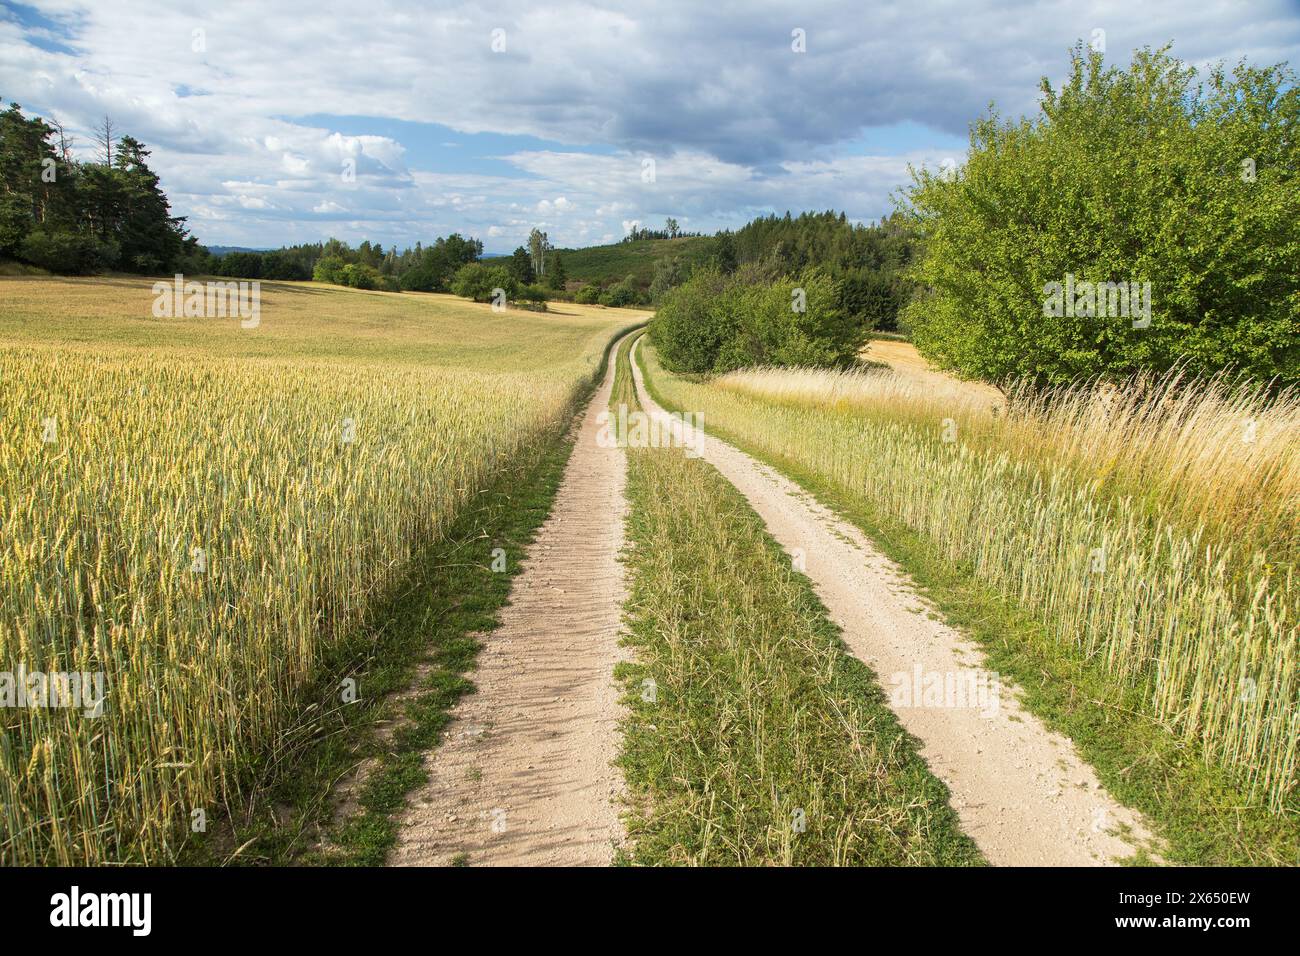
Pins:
x: 1147, y: 218
x: 867, y: 262
x: 77, y: 216
x: 421, y: 268
x: 671, y: 230
x: 111, y: 214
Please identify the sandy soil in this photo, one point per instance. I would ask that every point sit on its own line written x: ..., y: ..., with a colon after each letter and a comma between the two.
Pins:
x: 1022, y: 792
x: 524, y: 774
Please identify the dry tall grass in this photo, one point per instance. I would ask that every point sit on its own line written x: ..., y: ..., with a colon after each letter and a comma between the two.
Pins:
x: 1209, y: 452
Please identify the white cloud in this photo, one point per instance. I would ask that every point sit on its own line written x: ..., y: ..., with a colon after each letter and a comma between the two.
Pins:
x: 737, y: 123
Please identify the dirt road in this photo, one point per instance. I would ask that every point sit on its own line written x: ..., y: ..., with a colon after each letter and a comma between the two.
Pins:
x: 1021, y: 791
x: 524, y: 774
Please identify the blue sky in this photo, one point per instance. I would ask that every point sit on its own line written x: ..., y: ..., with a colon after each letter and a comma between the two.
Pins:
x: 295, y: 121
x: 432, y: 147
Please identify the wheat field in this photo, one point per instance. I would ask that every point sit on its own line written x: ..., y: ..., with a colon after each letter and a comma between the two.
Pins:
x: 195, y: 511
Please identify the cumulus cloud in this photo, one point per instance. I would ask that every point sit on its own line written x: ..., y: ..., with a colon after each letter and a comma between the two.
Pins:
x: 736, y: 120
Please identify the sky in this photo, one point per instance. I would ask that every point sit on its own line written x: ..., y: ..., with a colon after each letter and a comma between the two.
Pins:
x: 280, y: 122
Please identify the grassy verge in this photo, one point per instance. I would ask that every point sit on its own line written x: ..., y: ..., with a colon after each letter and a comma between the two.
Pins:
x: 1202, y: 815
x: 409, y: 665
x: 752, y: 736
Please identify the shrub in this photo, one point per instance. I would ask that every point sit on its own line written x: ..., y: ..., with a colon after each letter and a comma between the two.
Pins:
x: 63, y: 252
x: 624, y: 294
x: 715, y: 323
x: 533, y: 296
x: 795, y: 322
x: 360, y: 276
x: 352, y: 274
x: 589, y: 294
x: 693, y: 322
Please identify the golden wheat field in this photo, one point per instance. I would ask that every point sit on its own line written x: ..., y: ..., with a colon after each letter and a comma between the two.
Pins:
x: 194, y: 510
x: 1153, y: 528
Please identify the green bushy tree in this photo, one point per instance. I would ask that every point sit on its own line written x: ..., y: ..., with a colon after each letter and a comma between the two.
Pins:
x: 329, y: 269
x: 1138, y: 175
x: 694, y: 321
x: 622, y: 294
x: 478, y: 282
x: 521, y: 264
x: 65, y: 252
x: 250, y: 265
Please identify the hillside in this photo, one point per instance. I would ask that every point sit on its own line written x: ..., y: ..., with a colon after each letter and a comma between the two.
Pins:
x: 638, y: 258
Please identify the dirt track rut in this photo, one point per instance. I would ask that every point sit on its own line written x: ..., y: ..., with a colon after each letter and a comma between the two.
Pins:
x: 524, y: 774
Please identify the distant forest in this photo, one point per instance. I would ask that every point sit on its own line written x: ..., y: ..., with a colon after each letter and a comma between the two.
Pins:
x: 866, y: 261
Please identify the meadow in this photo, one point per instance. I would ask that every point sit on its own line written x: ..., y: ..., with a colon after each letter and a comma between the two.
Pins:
x: 198, y: 512
x: 1150, y: 532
